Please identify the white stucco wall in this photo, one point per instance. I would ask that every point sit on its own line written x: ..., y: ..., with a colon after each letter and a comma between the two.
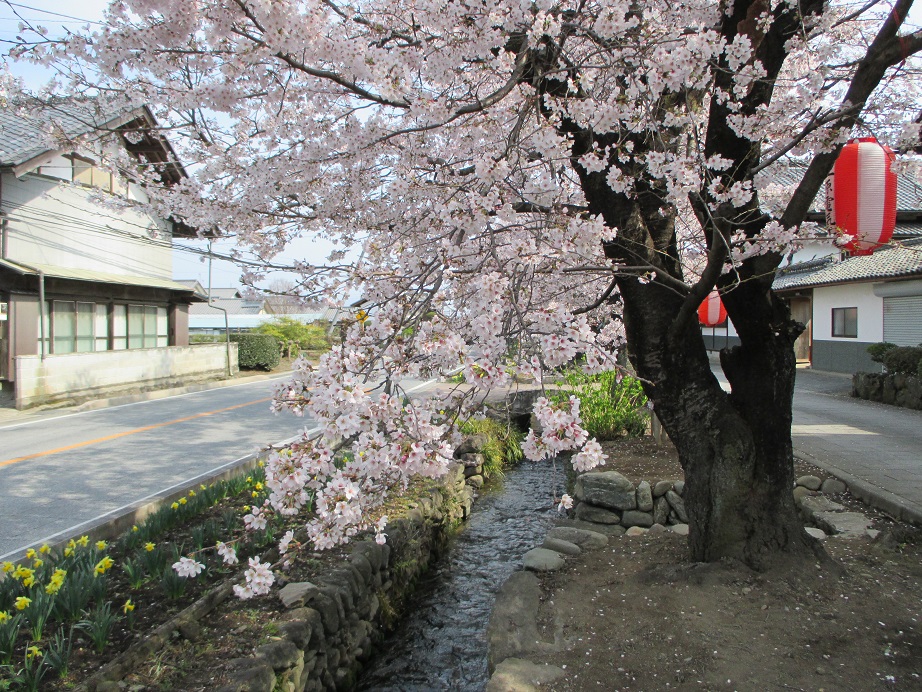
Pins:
x: 87, y: 375
x: 812, y: 251
x: 58, y: 223
x: 856, y: 295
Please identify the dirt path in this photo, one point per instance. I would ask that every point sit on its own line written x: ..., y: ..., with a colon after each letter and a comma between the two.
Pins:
x: 638, y: 616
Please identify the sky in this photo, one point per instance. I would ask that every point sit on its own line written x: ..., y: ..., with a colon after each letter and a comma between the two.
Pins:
x: 190, y: 256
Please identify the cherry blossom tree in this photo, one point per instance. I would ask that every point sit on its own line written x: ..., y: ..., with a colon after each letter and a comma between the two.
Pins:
x: 530, y: 184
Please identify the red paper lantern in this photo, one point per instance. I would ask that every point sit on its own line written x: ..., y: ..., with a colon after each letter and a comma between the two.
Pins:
x: 712, y: 312
x: 861, y: 195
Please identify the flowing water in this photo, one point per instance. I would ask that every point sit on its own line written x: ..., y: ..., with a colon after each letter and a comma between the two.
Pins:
x: 441, y: 644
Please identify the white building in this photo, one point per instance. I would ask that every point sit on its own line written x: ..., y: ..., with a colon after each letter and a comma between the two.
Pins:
x: 85, y: 271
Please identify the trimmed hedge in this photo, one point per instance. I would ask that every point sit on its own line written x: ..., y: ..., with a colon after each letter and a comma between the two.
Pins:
x: 257, y: 351
x: 903, y: 359
x: 879, y: 350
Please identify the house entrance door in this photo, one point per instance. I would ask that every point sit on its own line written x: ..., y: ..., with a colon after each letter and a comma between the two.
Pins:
x: 802, y: 311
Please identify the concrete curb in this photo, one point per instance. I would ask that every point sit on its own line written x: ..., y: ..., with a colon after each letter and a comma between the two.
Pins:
x: 870, y: 494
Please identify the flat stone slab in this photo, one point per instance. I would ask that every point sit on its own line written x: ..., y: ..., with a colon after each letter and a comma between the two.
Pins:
x: 607, y: 489
x: 816, y: 533
x: 519, y: 675
x: 820, y: 503
x: 681, y: 529
x: 513, y: 629
x: 845, y: 524
x: 559, y: 545
x: 596, y: 515
x: 295, y: 594
x: 542, y: 560
x: 633, y: 517
x: 587, y: 540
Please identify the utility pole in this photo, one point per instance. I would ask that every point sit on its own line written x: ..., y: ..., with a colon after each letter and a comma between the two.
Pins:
x: 227, y: 348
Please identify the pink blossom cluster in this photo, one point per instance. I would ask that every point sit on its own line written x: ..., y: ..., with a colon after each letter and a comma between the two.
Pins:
x: 259, y: 578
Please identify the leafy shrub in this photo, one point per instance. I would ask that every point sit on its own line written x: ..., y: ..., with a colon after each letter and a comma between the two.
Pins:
x: 879, y: 350
x: 257, y: 351
x: 305, y: 337
x: 609, y: 407
x: 903, y: 359
x: 503, y: 444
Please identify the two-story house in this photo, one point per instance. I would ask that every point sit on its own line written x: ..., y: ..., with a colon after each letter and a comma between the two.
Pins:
x: 87, y: 300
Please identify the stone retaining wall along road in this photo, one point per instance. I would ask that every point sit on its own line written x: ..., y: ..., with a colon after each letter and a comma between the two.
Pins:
x: 896, y: 390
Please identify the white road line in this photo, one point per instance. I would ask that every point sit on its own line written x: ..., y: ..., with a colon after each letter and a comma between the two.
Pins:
x: 138, y: 403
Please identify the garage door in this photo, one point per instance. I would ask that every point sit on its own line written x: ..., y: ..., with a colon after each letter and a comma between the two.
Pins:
x: 903, y: 320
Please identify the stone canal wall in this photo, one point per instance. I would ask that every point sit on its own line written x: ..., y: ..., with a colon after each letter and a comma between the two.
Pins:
x: 332, y: 625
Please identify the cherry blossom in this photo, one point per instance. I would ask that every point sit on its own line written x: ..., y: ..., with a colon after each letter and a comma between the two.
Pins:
x: 472, y: 166
x: 187, y: 567
x: 259, y: 578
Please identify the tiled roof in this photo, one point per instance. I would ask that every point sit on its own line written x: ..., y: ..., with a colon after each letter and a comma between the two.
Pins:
x: 897, y: 261
x: 234, y: 306
x: 27, y: 133
x: 908, y: 189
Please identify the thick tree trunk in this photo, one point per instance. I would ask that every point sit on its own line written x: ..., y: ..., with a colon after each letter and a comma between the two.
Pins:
x: 735, y: 448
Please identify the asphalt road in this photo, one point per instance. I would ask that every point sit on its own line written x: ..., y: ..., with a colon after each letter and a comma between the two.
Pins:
x: 61, y: 471
x: 875, y: 443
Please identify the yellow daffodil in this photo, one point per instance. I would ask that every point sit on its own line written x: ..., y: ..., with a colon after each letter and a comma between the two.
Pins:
x: 33, y: 651
x: 260, y: 464
x: 22, y: 603
x: 7, y: 567
x: 101, y: 545
x: 29, y: 581
x: 255, y: 494
x: 83, y: 541
x: 4, y: 616
x: 191, y: 493
x: 68, y: 552
x: 175, y: 505
x: 259, y: 486
x: 202, y: 487
x: 103, y: 565
x: 249, y: 479
x: 182, y: 500
x: 30, y: 553
x: 149, y: 547
x: 24, y: 573
x: 128, y: 607
x: 135, y: 529
x: 246, y: 508
x: 37, y: 563
x: 56, y: 581
x: 44, y: 550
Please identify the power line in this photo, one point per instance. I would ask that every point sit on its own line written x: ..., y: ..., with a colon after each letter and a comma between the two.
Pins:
x: 54, y: 14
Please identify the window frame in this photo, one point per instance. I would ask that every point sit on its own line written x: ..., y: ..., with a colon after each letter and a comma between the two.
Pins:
x: 843, y: 331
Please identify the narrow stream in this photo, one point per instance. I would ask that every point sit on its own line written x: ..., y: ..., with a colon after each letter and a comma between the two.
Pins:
x: 441, y: 644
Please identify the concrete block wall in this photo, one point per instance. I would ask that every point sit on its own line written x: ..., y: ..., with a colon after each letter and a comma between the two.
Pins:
x: 77, y: 376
